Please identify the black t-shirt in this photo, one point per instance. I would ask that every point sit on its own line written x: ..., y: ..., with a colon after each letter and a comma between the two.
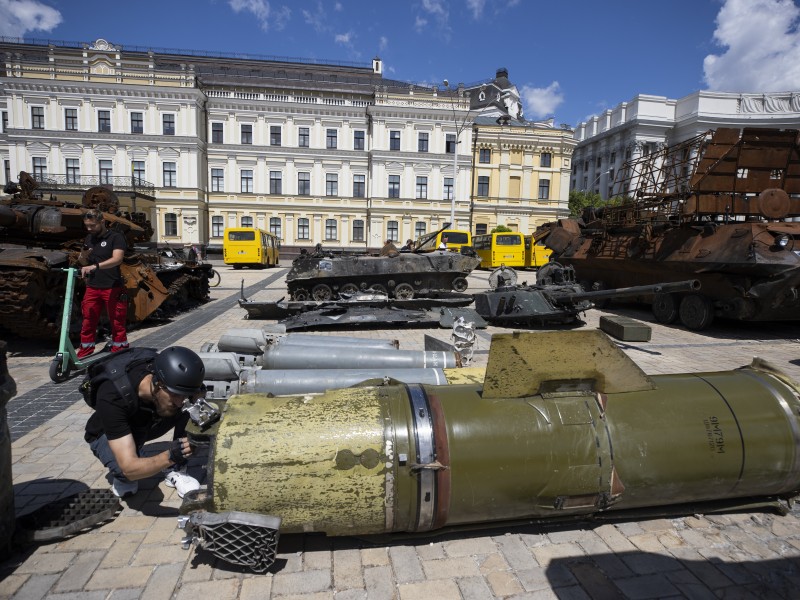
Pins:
x: 101, y: 247
x: 116, y: 419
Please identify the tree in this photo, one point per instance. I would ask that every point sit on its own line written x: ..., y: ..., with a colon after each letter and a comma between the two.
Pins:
x: 580, y: 200
x: 500, y: 229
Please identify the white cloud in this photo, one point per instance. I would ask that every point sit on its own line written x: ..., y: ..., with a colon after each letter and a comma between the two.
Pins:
x: 318, y: 20
x: 262, y: 11
x: 761, y: 41
x: 17, y: 17
x: 343, y: 38
x: 419, y: 24
x: 541, y: 102
x: 338, y: 7
x: 476, y: 6
x: 384, y: 43
x: 436, y: 9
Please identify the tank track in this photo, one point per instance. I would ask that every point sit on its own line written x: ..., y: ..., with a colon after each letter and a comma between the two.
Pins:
x: 29, y: 305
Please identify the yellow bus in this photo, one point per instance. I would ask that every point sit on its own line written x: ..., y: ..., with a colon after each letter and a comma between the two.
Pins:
x: 250, y: 247
x: 456, y: 238
x: 536, y: 255
x: 495, y: 249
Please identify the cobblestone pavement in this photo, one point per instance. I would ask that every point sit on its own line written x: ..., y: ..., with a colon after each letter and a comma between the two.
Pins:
x: 138, y: 554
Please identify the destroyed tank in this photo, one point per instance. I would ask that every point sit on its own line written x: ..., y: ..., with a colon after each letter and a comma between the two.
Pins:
x: 321, y: 275
x: 718, y: 208
x: 42, y: 237
x: 556, y: 299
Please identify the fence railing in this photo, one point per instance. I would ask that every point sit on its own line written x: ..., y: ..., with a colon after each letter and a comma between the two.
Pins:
x: 80, y: 183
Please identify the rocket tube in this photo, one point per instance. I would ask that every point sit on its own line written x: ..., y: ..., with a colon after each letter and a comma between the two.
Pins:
x: 417, y: 457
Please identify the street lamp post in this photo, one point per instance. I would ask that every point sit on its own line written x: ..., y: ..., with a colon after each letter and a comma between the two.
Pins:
x: 459, y: 129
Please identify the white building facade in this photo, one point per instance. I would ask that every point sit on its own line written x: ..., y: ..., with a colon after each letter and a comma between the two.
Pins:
x: 647, y: 123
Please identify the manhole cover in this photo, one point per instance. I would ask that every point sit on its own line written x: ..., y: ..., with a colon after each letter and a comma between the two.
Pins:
x: 67, y: 516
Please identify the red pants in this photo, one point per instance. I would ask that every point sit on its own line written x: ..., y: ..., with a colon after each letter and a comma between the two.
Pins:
x: 115, y: 301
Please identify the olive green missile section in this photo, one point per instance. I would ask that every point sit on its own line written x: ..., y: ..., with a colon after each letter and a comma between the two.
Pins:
x: 564, y: 427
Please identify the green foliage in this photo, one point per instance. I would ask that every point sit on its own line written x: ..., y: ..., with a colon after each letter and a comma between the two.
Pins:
x: 580, y: 200
x: 500, y: 229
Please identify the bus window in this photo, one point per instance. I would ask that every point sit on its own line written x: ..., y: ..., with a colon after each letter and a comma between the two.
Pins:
x: 249, y: 247
x: 496, y: 249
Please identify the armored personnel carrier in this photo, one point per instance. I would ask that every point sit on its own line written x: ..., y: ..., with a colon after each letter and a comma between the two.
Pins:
x: 321, y: 275
x: 42, y: 237
x: 718, y: 208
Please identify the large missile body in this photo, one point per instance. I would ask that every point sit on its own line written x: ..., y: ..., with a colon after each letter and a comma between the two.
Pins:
x: 541, y: 439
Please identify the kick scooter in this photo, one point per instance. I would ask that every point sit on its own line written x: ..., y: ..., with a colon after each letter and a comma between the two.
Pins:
x: 66, y: 359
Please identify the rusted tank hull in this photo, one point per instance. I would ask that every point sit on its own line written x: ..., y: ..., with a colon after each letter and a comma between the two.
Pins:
x: 402, y: 276
x: 742, y: 269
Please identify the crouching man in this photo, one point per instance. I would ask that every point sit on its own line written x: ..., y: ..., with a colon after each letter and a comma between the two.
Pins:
x: 137, y: 396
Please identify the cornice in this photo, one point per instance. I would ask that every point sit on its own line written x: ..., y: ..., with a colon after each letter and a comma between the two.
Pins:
x: 102, y: 138
x: 84, y: 89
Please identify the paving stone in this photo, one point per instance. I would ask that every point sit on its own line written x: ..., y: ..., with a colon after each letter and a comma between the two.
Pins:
x: 469, y: 546
x: 539, y: 578
x: 122, y: 551
x: 160, y: 554
x: 347, y: 570
x: 11, y: 583
x: 78, y: 573
x: 162, y: 582
x: 99, y: 595
x: 430, y: 551
x: 702, y: 569
x: 449, y: 568
x: 374, y: 557
x: 614, y: 539
x: 256, y: 588
x: 646, y: 586
x: 46, y: 562
x: 301, y: 583
x: 493, y: 562
x: 224, y: 589
x: 406, y: 564
x: 592, y: 578
x: 109, y: 579
x: 380, y: 583
x: 516, y: 553
x: 545, y: 554
x: 441, y: 589
x: 600, y: 554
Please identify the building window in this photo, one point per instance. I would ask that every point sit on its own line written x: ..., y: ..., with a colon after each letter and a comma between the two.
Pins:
x: 137, y: 122
x: 170, y: 174
x: 448, y: 188
x: 359, y: 183
x: 275, y: 182
x: 358, y: 140
x: 304, y: 184
x: 104, y: 120
x: 394, y: 186
x: 106, y: 169
x: 5, y: 121
x: 544, y: 189
x: 171, y: 224
x: 37, y: 117
x: 422, y: 142
x: 7, y: 170
x: 247, y: 133
x: 331, y: 184
x: 217, y: 180
x: 217, y: 133
x: 70, y: 119
x: 39, y: 168
x: 247, y: 221
x: 302, y: 137
x: 302, y: 229
x: 168, y: 124
x: 330, y: 229
x: 217, y: 226
x: 483, y: 186
x: 73, y: 170
x: 137, y: 170
x: 275, y: 135
x: 600, y: 160
x: 485, y: 155
x: 358, y: 230
x: 394, y: 140
x: 450, y: 143
x: 419, y: 229
x: 546, y: 160
x: 422, y: 187
x: 392, y: 231
x: 481, y: 228
x: 330, y: 139
x: 275, y: 226
x: 247, y: 181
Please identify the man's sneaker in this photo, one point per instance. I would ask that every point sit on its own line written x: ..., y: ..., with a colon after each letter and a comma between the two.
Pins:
x: 182, y: 482
x: 123, y: 489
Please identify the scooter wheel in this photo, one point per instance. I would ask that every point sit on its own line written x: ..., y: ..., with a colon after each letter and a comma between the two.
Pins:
x: 56, y: 374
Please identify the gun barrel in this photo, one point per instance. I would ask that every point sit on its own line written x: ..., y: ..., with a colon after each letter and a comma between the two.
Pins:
x: 690, y: 285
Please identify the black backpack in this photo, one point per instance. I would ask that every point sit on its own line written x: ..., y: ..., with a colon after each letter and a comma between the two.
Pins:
x: 115, y: 368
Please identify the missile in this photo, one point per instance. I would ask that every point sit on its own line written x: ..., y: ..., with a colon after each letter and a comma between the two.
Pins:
x: 564, y: 426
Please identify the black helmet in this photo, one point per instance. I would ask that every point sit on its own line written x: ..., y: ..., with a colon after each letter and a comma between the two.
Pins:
x: 179, y: 370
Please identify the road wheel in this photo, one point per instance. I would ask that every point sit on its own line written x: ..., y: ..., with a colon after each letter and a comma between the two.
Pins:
x: 404, y: 291
x: 696, y: 312
x: 300, y: 295
x: 665, y: 308
x: 321, y: 292
x: 56, y: 373
x: 460, y: 284
x: 214, y: 278
x: 237, y: 267
x: 348, y: 288
x: 378, y: 288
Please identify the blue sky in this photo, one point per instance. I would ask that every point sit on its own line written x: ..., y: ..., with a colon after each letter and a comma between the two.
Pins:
x: 570, y: 58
